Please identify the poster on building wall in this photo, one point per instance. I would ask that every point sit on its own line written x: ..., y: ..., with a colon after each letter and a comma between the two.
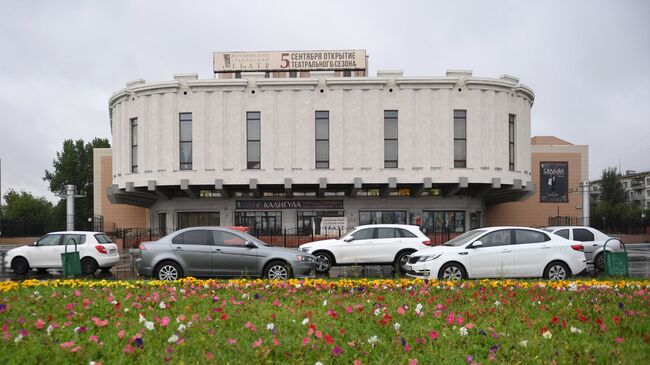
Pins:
x: 333, y: 225
x: 290, y: 60
x: 554, y: 182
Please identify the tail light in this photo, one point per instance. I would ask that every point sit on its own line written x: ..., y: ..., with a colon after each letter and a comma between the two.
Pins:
x: 427, y: 243
x: 578, y: 247
x: 142, y: 248
x: 101, y: 249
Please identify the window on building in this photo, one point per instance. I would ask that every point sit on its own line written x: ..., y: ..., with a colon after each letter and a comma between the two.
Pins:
x: 198, y: 219
x: 390, y: 139
x: 260, y: 223
x: 309, y: 221
x: 238, y: 75
x: 347, y: 73
x: 368, y: 192
x: 293, y: 74
x: 134, y: 145
x: 185, y: 138
x: 387, y: 217
x: 511, y: 139
x: 253, y: 137
x: 322, y: 139
x: 443, y: 221
x: 162, y: 223
x: 460, y: 138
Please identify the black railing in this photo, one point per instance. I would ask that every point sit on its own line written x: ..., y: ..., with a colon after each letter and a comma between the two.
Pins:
x: 132, y: 237
x: 293, y: 237
x: 564, y: 221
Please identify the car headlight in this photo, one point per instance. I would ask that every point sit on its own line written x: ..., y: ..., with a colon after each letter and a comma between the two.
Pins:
x: 429, y: 257
x: 303, y: 258
x: 305, y: 249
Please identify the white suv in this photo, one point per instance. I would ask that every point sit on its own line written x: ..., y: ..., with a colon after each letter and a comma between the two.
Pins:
x: 376, y: 244
x: 96, y: 251
x: 593, y: 240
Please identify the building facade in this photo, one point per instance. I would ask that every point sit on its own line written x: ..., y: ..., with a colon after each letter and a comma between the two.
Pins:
x: 302, y: 150
x: 636, y: 186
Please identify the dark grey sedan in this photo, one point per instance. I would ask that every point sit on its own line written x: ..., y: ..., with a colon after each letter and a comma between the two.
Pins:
x: 220, y: 251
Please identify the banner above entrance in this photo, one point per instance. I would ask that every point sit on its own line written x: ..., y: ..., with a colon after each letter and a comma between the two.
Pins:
x: 290, y: 60
x: 289, y: 204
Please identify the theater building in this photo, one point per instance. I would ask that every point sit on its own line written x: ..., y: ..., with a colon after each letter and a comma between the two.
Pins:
x: 303, y: 141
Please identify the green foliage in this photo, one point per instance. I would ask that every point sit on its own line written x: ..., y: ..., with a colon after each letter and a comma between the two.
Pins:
x: 611, y: 213
x: 613, y: 192
x: 74, y: 166
x: 24, y: 207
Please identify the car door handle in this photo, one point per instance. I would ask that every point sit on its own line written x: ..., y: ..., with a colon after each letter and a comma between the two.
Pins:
x: 545, y: 247
x: 595, y: 244
x: 217, y: 250
x: 178, y: 248
x: 506, y: 250
x: 462, y: 253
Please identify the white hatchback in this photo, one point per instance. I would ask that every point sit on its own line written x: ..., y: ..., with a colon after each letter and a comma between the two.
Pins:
x: 376, y: 244
x: 593, y: 240
x: 500, y: 252
x: 96, y: 251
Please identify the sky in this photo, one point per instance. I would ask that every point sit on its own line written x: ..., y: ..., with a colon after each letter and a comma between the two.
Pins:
x: 588, y: 62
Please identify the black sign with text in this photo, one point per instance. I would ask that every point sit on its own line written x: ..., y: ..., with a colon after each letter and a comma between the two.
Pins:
x: 554, y: 182
x: 288, y: 204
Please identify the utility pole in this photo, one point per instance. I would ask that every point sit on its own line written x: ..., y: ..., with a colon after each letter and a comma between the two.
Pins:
x: 69, y: 196
x: 585, y: 203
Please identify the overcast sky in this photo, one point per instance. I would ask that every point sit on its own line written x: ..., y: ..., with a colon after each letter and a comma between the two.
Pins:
x: 587, y: 61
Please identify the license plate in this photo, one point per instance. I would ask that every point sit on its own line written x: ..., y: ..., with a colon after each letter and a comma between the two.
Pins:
x: 112, y: 250
x: 408, y: 267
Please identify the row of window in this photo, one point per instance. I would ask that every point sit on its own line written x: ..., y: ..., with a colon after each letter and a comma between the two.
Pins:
x: 270, y: 222
x: 322, y: 140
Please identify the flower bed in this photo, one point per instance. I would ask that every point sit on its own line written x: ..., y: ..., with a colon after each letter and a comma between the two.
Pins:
x: 324, y: 321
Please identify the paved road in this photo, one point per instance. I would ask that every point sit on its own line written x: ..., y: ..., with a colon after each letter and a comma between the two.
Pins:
x: 638, y: 263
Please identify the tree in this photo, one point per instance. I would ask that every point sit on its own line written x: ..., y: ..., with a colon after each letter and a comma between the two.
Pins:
x: 612, y: 188
x: 74, y: 166
x: 25, y: 215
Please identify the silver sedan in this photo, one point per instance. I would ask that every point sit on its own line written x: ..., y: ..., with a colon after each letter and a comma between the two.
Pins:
x: 220, y: 251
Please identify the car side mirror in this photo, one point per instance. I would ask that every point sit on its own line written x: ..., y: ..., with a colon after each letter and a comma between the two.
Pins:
x: 35, y: 244
x: 477, y: 244
x: 348, y: 238
x: 250, y: 244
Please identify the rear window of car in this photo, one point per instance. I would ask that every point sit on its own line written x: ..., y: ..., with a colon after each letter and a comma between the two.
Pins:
x: 563, y: 233
x: 195, y: 237
x: 102, y: 238
x: 582, y: 235
x: 526, y: 236
x: 405, y: 233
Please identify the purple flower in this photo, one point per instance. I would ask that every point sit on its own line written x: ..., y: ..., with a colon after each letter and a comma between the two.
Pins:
x: 469, y: 359
x: 620, y: 305
x: 215, y: 299
x: 426, y: 281
x: 2, y: 308
x: 403, y: 341
x: 481, y: 332
x: 494, y: 348
x: 81, y: 329
x: 256, y: 296
x: 138, y: 342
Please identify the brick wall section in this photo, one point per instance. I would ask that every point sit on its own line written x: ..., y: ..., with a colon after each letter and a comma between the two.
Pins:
x: 531, y: 212
x: 115, y: 215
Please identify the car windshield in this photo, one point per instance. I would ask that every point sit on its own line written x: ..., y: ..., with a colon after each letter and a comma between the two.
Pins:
x: 464, y: 238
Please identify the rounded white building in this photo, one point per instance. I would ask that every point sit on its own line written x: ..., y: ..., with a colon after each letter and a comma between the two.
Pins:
x: 281, y: 154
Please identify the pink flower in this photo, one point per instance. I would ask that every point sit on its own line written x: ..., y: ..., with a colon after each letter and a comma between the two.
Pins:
x: 469, y: 326
x: 232, y: 341
x: 39, y: 324
x: 86, y: 303
x: 450, y: 318
x: 66, y: 345
x: 165, y: 321
x: 619, y: 339
x: 128, y: 349
x: 319, y: 334
x: 357, y: 362
x: 76, y: 349
x: 258, y: 343
x: 305, y: 341
x: 336, y: 351
x: 121, y: 334
x: 250, y: 326
x: 433, y: 335
x: 77, y: 293
x: 99, y: 322
x: 349, y: 309
x: 401, y: 310
x: 208, y: 356
x: 93, y: 338
x: 413, y: 362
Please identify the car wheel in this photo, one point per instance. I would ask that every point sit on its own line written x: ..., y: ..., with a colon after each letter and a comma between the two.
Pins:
x: 20, y: 265
x: 169, y: 271
x: 88, y: 265
x: 277, y: 270
x: 599, y: 262
x: 323, y: 262
x: 402, y: 259
x: 451, y: 271
x: 557, y: 271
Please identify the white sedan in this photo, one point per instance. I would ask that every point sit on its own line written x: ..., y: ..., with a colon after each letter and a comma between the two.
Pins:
x: 500, y: 252
x: 96, y: 251
x: 593, y: 240
x: 375, y: 244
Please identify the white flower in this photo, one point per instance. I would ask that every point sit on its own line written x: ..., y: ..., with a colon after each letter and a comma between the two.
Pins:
x: 183, y: 291
x: 181, y: 328
x: 462, y: 331
x: 547, y: 335
x: 189, y: 324
x: 162, y: 305
x: 270, y: 326
x: 298, y: 286
x: 523, y: 343
x: 49, y: 329
x: 92, y: 363
x: 245, y: 296
x: 141, y: 319
x: 497, y: 303
x: 18, y: 338
x: 126, y: 310
x: 575, y: 330
x: 149, y: 325
x: 324, y: 303
x: 377, y: 311
x: 305, y: 321
x: 397, y: 326
x: 372, y: 340
x: 172, y: 339
x: 318, y: 363
x: 418, y: 308
x: 114, y: 302
x: 37, y: 294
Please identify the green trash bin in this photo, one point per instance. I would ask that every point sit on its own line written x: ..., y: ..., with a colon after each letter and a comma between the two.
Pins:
x: 615, y: 262
x: 70, y: 260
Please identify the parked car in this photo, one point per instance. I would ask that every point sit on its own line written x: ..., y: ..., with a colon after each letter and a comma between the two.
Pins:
x: 219, y: 251
x: 500, y: 252
x: 593, y: 240
x: 96, y: 251
x: 369, y: 244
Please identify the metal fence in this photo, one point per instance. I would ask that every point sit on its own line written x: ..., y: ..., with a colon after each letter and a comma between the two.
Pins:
x: 564, y: 221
